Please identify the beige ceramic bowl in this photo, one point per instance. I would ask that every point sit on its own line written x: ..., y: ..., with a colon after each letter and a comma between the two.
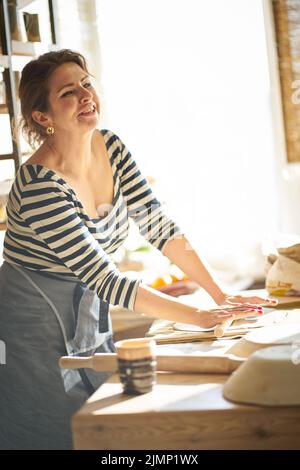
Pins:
x: 270, y: 377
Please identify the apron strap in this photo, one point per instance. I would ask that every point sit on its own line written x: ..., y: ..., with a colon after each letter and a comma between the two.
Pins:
x: 103, y: 316
x: 103, y: 308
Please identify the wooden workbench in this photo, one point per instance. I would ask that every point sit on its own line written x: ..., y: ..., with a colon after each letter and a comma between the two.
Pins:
x: 182, y: 412
x: 185, y: 411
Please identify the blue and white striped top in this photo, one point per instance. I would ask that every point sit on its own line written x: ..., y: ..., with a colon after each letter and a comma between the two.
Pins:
x: 49, y: 230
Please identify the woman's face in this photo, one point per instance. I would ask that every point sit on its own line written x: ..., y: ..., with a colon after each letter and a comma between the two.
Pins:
x: 73, y: 102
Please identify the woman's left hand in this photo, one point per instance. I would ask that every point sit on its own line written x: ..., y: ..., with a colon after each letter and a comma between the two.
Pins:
x: 248, y: 300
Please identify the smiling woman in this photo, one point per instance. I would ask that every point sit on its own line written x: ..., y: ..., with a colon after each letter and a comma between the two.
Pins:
x: 57, y: 280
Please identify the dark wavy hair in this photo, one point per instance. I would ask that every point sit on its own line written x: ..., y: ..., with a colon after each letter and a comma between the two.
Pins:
x: 34, y: 92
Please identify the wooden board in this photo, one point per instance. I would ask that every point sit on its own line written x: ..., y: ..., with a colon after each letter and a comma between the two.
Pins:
x: 164, y: 331
x: 182, y: 412
x: 212, y: 362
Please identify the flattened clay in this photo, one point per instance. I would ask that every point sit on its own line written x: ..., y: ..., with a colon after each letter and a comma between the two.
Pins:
x: 275, y: 334
x: 270, y: 377
x: 190, y: 327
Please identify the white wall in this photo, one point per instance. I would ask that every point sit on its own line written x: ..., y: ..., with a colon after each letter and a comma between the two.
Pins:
x: 186, y: 85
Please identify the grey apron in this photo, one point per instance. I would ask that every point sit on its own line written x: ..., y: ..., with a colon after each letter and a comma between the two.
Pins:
x: 43, y: 317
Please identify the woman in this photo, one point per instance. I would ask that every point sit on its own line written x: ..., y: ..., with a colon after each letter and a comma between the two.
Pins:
x: 57, y: 280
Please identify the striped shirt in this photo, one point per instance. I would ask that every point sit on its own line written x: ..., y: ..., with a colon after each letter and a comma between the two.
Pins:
x: 49, y: 230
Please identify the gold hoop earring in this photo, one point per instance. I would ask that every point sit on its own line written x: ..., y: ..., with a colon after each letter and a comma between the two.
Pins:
x: 50, y: 130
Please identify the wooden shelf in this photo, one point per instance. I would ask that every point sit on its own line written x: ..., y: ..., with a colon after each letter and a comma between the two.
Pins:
x: 3, y: 109
x: 24, y: 3
x: 7, y: 156
x: 29, y: 49
x: 24, y: 52
x: 18, y: 62
x: 2, y: 226
x: 14, y: 55
x: 4, y: 61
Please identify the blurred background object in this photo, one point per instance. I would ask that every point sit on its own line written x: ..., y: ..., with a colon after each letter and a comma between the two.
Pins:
x: 127, y: 261
x: 2, y: 213
x: 15, y: 20
x: 2, y: 91
x: 31, y: 21
x: 283, y: 266
x: 174, y: 282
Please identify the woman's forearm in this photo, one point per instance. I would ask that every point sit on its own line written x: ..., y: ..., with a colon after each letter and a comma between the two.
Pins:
x: 151, y: 302
x: 156, y: 304
x: 180, y: 252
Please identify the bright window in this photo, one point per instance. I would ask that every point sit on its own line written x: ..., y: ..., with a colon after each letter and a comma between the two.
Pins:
x: 186, y: 86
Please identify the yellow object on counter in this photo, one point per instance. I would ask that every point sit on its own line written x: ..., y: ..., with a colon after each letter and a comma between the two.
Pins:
x: 174, y: 275
x: 2, y: 213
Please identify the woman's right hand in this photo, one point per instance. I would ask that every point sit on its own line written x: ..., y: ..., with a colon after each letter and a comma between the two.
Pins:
x: 215, y: 316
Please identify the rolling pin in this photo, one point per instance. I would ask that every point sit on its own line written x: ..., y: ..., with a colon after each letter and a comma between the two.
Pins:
x: 171, y: 363
x: 220, y: 329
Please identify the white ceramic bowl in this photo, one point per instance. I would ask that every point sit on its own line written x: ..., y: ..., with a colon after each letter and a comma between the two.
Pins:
x: 270, y: 377
x: 275, y: 334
